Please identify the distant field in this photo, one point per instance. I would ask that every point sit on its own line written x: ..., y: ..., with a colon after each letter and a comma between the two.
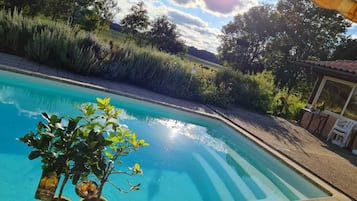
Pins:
x: 203, y: 62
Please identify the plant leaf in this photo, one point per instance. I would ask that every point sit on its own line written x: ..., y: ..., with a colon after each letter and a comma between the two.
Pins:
x: 34, y: 154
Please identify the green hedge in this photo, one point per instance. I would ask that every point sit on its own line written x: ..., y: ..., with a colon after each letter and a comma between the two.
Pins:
x: 152, y: 69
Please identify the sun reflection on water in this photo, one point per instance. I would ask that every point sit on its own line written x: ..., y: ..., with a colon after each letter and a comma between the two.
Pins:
x: 194, y: 132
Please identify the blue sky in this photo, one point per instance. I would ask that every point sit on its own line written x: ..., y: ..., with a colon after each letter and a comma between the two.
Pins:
x: 199, y: 21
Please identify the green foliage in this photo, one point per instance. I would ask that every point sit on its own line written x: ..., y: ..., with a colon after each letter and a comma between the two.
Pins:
x: 244, y: 39
x: 346, y: 50
x: 266, y: 89
x: 15, y: 31
x: 51, y: 43
x: 268, y: 37
x: 253, y: 92
x: 288, y: 104
x: 152, y: 69
x: 164, y: 36
x: 57, y: 44
x: 88, y: 15
x: 92, y: 143
x: 136, y: 21
x: 53, y: 143
x: 218, y: 95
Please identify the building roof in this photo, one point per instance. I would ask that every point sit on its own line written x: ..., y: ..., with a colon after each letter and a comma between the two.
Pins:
x: 342, y: 65
x: 343, y: 69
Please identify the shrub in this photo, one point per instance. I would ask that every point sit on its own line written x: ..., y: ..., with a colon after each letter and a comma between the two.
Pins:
x: 154, y: 70
x: 60, y: 45
x: 250, y: 91
x: 291, y: 108
x: 265, y: 90
x: 15, y: 31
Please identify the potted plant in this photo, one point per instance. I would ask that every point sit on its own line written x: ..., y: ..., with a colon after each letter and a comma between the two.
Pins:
x: 52, y: 142
x: 78, y: 147
x: 103, y: 142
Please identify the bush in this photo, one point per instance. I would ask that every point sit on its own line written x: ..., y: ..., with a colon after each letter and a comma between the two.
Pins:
x: 249, y: 91
x: 152, y: 69
x: 51, y: 43
x: 63, y: 46
x: 265, y: 91
x: 15, y: 31
x: 287, y: 104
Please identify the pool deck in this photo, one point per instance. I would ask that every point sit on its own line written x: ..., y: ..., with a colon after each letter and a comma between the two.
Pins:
x: 323, y: 161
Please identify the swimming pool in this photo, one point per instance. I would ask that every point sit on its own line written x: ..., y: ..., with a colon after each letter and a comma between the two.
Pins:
x: 190, y: 157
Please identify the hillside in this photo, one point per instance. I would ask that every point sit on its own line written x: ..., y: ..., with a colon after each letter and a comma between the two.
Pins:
x: 203, y: 54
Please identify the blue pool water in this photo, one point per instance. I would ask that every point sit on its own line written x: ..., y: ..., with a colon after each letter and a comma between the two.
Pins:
x: 190, y: 157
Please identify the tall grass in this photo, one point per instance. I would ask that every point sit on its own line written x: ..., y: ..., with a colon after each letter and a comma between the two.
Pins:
x: 60, y: 45
x: 51, y: 43
x: 15, y: 30
x: 152, y: 69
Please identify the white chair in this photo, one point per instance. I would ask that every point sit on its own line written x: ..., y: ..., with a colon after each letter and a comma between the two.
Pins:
x: 341, y: 131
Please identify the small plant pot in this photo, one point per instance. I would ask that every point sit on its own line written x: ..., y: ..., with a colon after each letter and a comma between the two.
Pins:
x: 47, y: 186
x: 61, y: 199
x: 94, y: 199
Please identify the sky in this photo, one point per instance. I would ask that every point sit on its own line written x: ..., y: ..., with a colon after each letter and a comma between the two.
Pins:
x: 199, y: 21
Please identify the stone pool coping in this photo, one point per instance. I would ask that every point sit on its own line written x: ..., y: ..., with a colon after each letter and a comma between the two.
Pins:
x: 16, y: 64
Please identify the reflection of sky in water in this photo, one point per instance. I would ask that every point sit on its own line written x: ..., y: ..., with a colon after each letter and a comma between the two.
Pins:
x: 195, y: 133
x: 26, y: 100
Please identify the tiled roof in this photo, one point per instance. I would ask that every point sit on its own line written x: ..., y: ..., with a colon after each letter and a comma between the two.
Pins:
x: 349, y: 66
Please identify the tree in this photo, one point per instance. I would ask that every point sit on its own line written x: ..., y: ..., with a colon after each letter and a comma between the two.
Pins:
x: 245, y: 38
x: 136, y: 21
x: 271, y: 37
x: 29, y: 7
x: 346, y: 50
x: 87, y: 14
x: 306, y: 32
x: 164, y: 36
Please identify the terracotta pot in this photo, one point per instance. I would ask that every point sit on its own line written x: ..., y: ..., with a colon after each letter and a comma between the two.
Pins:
x: 47, y: 186
x: 94, y: 199
x: 62, y: 198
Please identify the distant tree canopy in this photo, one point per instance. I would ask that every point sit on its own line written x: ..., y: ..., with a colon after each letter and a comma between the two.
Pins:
x: 165, y: 37
x: 346, y: 50
x: 136, y: 21
x: 244, y: 39
x: 268, y: 37
x: 87, y: 14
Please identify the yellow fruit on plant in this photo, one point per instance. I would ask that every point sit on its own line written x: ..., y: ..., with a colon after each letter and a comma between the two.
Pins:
x: 92, y: 187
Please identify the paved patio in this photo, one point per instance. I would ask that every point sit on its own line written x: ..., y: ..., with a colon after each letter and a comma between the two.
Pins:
x: 334, y: 165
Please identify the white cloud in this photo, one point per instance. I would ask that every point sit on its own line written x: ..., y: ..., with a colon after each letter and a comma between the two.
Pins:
x: 179, y: 17
x: 219, y: 7
x: 204, y: 38
x: 194, y: 30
